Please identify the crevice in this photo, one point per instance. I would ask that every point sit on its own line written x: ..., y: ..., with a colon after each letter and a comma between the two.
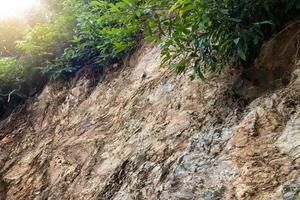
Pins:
x: 3, y: 188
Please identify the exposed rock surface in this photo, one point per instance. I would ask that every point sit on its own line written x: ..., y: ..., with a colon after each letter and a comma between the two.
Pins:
x: 144, y: 133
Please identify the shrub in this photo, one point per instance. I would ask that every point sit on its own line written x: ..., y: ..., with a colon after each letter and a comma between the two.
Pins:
x: 210, y: 33
x: 11, y: 81
x: 11, y: 30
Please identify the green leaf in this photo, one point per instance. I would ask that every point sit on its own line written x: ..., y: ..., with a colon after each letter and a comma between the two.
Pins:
x: 138, y: 13
x: 242, y: 55
x: 236, y: 40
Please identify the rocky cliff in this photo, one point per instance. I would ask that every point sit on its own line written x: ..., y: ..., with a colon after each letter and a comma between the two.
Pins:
x: 140, y: 132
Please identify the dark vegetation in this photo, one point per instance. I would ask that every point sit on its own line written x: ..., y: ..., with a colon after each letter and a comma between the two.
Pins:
x: 63, y: 35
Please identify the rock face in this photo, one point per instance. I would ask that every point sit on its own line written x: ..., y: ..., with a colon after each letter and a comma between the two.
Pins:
x: 144, y: 133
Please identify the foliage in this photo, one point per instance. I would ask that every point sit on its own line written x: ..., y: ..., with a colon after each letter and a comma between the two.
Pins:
x: 11, y: 81
x: 12, y: 30
x: 45, y: 41
x: 210, y: 34
x: 78, y: 33
x: 103, y: 33
x: 11, y: 70
x: 66, y: 34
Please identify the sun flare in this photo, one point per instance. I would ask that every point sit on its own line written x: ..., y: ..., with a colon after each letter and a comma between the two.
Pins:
x: 15, y: 8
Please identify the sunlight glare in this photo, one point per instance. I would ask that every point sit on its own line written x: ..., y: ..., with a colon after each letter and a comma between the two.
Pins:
x: 15, y: 8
